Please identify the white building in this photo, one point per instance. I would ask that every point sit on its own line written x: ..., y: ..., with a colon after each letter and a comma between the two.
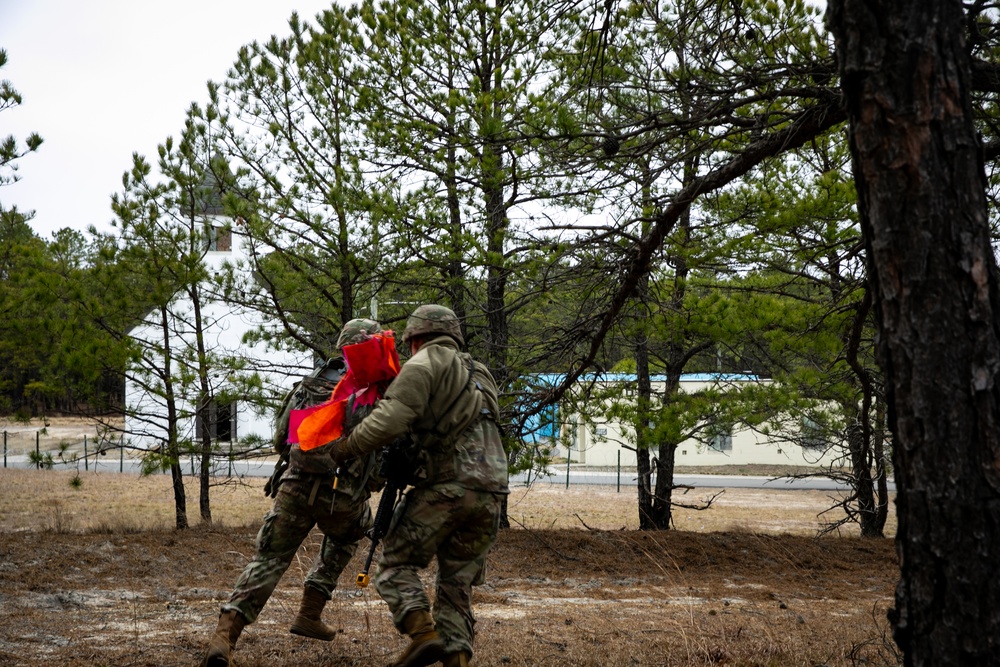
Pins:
x: 230, y: 418
x: 592, y: 441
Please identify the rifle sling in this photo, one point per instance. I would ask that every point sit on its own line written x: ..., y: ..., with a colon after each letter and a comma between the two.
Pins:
x: 362, y: 485
x: 315, y: 490
x: 437, y: 433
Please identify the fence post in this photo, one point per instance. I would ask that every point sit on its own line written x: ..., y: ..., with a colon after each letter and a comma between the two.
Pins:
x: 230, y: 473
x: 619, y: 471
x: 38, y: 453
x: 567, y: 467
x: 5, y: 449
x: 121, y: 453
x: 86, y: 465
x: 531, y: 463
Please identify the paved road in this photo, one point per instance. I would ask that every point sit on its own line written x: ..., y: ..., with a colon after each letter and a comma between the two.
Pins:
x: 112, y: 463
x: 697, y: 481
x: 263, y: 468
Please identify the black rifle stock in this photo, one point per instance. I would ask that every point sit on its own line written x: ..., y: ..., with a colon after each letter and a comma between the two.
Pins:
x: 394, y: 470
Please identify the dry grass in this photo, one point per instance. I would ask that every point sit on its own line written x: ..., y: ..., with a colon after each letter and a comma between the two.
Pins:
x: 108, y: 502
x: 112, y: 502
x: 747, y: 510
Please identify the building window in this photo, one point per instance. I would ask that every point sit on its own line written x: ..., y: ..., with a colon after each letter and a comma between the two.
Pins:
x: 218, y: 239
x: 812, y: 434
x: 219, y: 419
x: 721, y: 442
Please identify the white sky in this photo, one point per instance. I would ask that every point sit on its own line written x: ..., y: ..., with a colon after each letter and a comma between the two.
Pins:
x: 101, y: 79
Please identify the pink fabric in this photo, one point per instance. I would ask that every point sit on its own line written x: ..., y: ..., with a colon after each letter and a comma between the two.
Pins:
x: 296, y: 417
x: 376, y: 362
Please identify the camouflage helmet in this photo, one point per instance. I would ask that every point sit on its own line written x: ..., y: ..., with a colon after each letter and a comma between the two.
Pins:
x: 357, y: 331
x: 433, y: 319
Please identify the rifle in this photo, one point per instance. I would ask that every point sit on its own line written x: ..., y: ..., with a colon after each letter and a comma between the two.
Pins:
x: 396, y: 469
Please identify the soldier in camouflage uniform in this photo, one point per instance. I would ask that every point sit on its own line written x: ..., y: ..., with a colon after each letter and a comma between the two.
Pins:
x: 448, y: 404
x: 313, y: 491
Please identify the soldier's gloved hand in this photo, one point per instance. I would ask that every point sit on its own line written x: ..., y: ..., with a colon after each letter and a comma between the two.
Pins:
x: 335, y: 451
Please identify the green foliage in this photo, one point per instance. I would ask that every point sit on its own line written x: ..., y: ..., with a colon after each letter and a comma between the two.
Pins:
x: 153, y: 463
x: 41, y: 459
x: 408, y: 146
x: 21, y: 259
x: 46, y: 337
x: 10, y: 149
x: 587, y: 186
x: 313, y: 225
x: 50, y: 347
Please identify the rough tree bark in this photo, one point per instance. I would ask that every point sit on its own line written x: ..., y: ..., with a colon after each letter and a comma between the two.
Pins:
x: 172, y: 448
x: 870, y: 492
x: 644, y: 398
x: 905, y: 74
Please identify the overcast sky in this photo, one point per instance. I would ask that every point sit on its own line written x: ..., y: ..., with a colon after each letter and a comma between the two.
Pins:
x: 101, y: 79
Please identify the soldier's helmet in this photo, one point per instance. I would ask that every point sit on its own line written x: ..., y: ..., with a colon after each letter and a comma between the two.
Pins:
x: 357, y: 331
x: 433, y: 319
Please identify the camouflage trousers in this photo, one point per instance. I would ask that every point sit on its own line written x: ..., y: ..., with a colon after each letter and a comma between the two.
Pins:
x: 458, y: 526
x: 342, y: 521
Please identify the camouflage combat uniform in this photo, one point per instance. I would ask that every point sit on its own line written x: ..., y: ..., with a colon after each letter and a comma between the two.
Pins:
x: 307, y: 497
x: 448, y: 403
x: 311, y: 493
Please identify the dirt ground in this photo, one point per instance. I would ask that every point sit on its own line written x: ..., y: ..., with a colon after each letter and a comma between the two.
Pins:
x: 553, y: 597
x: 91, y: 576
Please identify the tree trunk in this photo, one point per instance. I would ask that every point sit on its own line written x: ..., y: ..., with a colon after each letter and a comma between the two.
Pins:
x: 860, y: 433
x: 504, y: 517
x: 861, y: 475
x: 172, y: 446
x: 645, y: 492
x: 180, y: 501
x: 642, y: 439
x: 881, y: 474
x: 493, y: 175
x: 202, y: 417
x: 455, y: 285
x: 661, y: 513
x: 496, y: 287
x: 905, y: 74
x: 676, y: 357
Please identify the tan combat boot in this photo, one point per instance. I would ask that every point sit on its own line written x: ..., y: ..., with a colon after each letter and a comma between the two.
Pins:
x: 231, y: 624
x: 426, y: 647
x: 459, y: 659
x: 308, y: 623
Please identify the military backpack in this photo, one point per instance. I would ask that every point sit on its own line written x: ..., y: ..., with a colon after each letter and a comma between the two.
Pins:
x: 312, y: 389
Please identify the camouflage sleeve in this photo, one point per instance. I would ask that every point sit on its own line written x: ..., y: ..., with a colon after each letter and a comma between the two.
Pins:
x: 389, y: 420
x: 404, y: 402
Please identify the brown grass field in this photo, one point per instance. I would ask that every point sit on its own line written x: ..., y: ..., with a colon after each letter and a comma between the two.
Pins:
x: 94, y: 574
